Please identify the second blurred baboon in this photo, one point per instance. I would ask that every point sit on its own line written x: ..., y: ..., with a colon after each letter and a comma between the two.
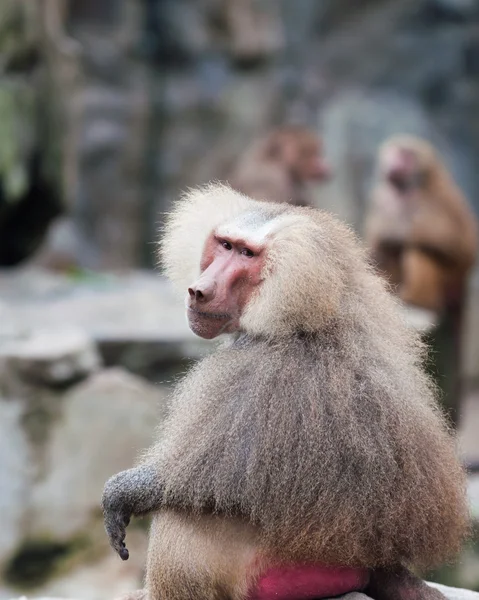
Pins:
x: 423, y: 238
x: 279, y: 167
x: 420, y: 229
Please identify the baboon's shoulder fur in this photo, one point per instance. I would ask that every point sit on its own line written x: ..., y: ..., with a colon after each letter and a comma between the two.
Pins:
x: 336, y: 455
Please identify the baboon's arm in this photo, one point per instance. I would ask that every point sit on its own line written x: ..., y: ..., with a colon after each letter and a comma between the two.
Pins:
x: 134, y: 492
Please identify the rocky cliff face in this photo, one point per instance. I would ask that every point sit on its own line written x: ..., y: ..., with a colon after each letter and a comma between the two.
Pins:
x: 149, y: 97
x: 69, y: 420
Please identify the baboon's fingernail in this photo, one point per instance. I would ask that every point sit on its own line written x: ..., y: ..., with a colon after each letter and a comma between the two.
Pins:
x: 124, y: 554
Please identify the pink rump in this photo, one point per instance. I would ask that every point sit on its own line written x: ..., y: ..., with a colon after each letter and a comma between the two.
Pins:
x: 308, y: 582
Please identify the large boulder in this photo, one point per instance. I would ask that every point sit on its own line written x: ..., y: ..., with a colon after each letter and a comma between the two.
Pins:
x: 47, y: 357
x: 66, y: 426
x: 134, y: 319
x: 15, y: 476
x: 450, y: 593
x: 104, y: 424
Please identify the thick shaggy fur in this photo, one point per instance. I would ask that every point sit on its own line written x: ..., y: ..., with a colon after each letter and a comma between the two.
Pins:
x: 316, y: 423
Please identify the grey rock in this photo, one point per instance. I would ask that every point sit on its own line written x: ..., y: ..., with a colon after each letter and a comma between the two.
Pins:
x: 471, y: 332
x: 453, y: 593
x: 60, y: 247
x: 473, y: 492
x: 105, y: 138
x: 255, y: 29
x: 450, y: 593
x: 105, y: 578
x: 245, y: 108
x: 104, y: 425
x: 117, y: 312
x: 463, y: 8
x: 15, y: 476
x: 49, y: 357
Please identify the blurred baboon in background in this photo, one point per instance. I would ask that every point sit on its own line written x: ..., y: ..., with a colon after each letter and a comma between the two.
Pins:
x: 423, y: 238
x: 421, y: 231
x: 280, y: 166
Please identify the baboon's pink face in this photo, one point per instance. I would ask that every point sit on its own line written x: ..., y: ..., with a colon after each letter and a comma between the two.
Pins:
x: 230, y: 272
x: 311, y: 164
x: 399, y: 164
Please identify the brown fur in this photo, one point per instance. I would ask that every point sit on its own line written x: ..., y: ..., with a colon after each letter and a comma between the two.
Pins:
x: 312, y: 448
x: 424, y: 239
x: 311, y: 435
x: 275, y: 168
x: 201, y: 557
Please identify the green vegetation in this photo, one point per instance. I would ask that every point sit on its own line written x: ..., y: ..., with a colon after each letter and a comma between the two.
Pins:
x: 16, y: 137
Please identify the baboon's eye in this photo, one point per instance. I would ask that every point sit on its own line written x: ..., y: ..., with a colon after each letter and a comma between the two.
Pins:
x: 226, y: 245
x: 247, y: 252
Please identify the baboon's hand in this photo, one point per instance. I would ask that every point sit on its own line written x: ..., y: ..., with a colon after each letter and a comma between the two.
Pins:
x: 117, y: 510
x: 136, y: 492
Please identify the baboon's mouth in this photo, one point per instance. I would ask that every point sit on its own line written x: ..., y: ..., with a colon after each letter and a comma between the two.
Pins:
x: 209, y: 315
x: 398, y: 179
x: 404, y: 181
